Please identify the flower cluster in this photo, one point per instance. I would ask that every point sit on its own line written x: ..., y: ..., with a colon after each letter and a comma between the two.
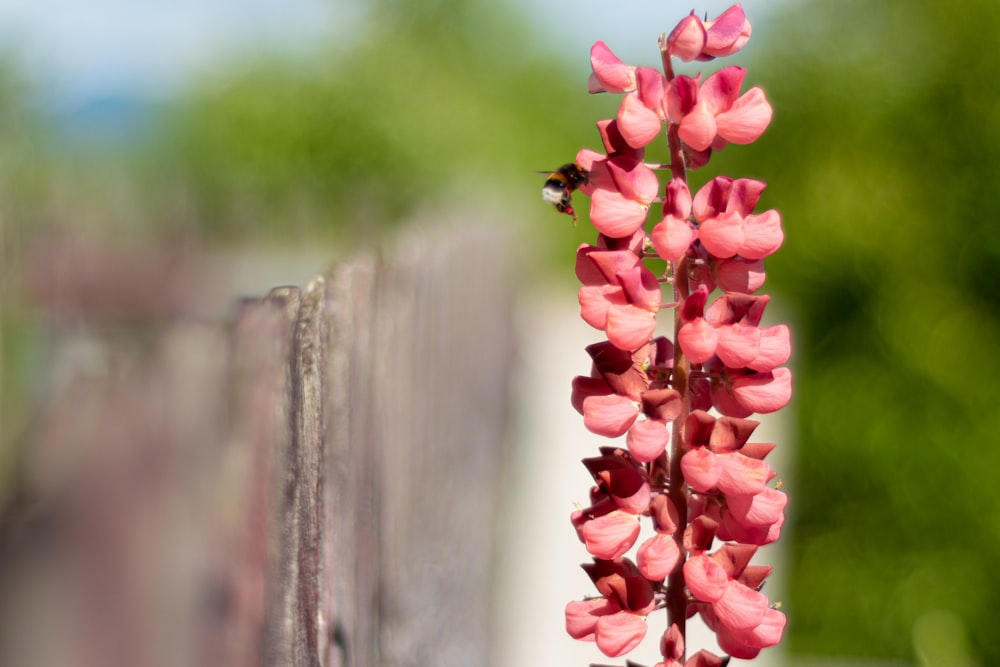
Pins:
x: 687, y: 466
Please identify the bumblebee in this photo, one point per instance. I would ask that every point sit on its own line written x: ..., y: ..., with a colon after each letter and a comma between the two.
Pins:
x: 561, y: 183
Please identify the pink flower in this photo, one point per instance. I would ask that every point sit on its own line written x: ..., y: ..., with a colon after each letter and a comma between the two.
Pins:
x: 714, y: 113
x: 693, y: 39
x: 673, y: 235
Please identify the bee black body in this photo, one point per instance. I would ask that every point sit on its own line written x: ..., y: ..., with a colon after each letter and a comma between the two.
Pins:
x: 561, y: 183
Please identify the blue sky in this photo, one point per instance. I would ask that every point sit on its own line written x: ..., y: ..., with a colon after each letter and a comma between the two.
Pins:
x: 78, y: 49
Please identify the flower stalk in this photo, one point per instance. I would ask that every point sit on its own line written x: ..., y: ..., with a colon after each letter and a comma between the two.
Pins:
x: 687, y: 476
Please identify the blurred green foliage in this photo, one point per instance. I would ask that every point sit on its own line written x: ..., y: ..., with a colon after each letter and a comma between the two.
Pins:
x: 884, y: 159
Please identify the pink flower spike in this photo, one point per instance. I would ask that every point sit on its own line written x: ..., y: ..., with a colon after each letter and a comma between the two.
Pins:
x: 610, y: 74
x: 764, y: 392
x: 647, y: 440
x: 609, y: 536
x: 609, y: 415
x: 657, y: 556
x: 619, y: 633
x: 614, y: 215
x: 688, y: 39
x: 582, y: 616
x: 726, y: 34
x: 705, y: 578
x: 746, y: 119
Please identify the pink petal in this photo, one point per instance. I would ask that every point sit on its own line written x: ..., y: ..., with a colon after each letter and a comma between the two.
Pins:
x: 740, y: 608
x: 762, y: 235
x: 705, y: 578
x: 775, y: 348
x: 761, y: 509
x: 721, y: 90
x: 587, y: 386
x: 641, y: 288
x: 633, y: 179
x: 742, y: 475
x: 747, y: 119
x: 698, y: 128
x: 724, y: 401
x: 615, y: 216
x: 582, y: 616
x: 712, y: 198
x: 701, y: 469
x: 727, y: 33
x: 680, y: 97
x: 647, y: 440
x: 619, y: 633
x: 587, y: 271
x: 609, y: 415
x: 609, y: 536
x: 764, y: 392
x: 722, y: 235
x: 611, y: 263
x: 687, y: 40
x: 657, y: 556
x: 610, y: 73
x: 639, y: 125
x: 698, y: 339
x: 677, y: 199
x: 671, y: 238
x: 743, y: 195
x: 740, y: 275
x: 738, y: 345
x: 595, y: 300
x: 630, y: 327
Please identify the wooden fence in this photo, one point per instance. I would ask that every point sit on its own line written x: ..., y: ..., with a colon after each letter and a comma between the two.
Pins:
x: 312, y: 480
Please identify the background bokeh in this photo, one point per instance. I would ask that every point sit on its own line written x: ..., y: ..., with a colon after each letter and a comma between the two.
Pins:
x: 883, y: 157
